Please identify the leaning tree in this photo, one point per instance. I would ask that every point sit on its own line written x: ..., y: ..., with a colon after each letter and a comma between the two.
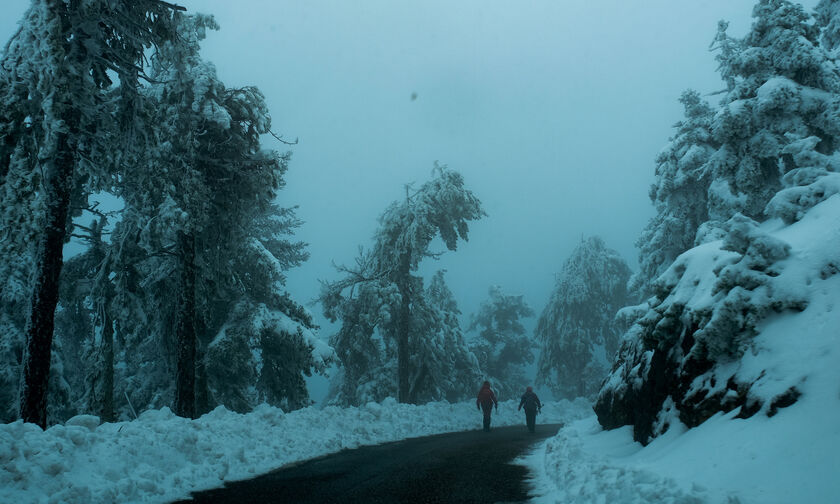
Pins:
x: 380, y: 299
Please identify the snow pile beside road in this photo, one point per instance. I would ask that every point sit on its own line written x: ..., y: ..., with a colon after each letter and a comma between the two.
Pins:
x: 584, y: 464
x: 785, y: 452
x: 791, y: 457
x: 160, y: 457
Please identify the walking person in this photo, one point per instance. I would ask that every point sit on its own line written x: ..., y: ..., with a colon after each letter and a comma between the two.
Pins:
x: 485, y: 401
x: 532, y: 405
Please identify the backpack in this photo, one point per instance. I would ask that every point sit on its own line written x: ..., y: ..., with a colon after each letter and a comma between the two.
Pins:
x: 485, y: 396
x: 530, y: 401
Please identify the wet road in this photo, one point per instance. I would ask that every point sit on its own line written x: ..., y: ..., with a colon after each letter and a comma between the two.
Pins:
x: 461, y: 467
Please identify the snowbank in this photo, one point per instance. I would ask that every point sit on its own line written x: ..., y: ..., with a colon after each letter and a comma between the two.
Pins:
x: 160, y: 457
x: 780, y: 455
x: 789, y: 458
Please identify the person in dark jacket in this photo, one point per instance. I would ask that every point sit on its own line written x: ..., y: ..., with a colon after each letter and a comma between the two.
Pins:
x: 532, y: 404
x: 485, y: 401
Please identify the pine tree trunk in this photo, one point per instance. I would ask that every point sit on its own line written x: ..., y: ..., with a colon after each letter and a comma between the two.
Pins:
x: 202, y: 396
x: 107, y: 389
x: 418, y: 383
x: 403, y: 327
x: 185, y: 332
x: 49, y: 258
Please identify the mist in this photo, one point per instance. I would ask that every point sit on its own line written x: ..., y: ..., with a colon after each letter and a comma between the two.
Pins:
x: 552, y: 111
x: 159, y: 311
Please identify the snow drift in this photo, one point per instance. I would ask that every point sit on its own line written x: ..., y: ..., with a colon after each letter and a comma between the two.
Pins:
x: 161, y: 457
x: 776, y: 440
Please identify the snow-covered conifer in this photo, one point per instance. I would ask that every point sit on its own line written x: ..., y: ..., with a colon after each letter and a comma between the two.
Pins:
x: 776, y: 135
x: 827, y: 14
x: 678, y: 193
x: 782, y: 91
x: 379, y: 300
x: 577, y: 329
x: 84, y: 320
x: 202, y: 222
x: 53, y: 84
x: 775, y: 129
x: 448, y: 369
x: 501, y: 343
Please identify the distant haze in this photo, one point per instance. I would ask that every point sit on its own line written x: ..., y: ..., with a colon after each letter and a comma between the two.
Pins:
x: 552, y: 110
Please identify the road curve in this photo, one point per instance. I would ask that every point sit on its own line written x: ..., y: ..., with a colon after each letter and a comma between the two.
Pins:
x: 460, y: 467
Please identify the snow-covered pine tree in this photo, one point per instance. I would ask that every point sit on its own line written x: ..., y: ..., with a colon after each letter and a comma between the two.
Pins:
x: 85, y: 319
x: 778, y: 113
x: 500, y: 341
x: 827, y: 14
x: 378, y: 299
x: 774, y: 129
x: 447, y: 369
x: 201, y: 220
x: 577, y: 328
x: 365, y: 300
x: 778, y: 130
x: 55, y: 73
x: 678, y: 194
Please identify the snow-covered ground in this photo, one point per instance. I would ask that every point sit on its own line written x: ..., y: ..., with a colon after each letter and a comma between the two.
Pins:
x: 160, y: 457
x: 790, y: 457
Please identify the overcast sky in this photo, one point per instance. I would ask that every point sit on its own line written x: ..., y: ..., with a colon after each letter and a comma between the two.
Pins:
x: 553, y: 110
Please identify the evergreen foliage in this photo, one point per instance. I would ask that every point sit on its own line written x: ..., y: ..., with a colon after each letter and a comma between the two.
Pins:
x: 207, y: 225
x: 182, y: 153
x: 577, y: 329
x: 679, y: 193
x: 391, y: 335
x: 771, y: 153
x: 501, y: 343
x: 768, y: 150
x: 56, y: 129
x: 448, y: 370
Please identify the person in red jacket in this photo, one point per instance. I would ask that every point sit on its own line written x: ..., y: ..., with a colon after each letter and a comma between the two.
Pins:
x: 485, y: 401
x: 532, y: 404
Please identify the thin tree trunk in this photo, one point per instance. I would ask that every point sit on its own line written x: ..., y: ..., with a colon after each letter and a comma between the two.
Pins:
x: 107, y: 390
x: 185, y: 332
x: 49, y: 258
x: 418, y: 383
x: 202, y: 399
x: 403, y: 357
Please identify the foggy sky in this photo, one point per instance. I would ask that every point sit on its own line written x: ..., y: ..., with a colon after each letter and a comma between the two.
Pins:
x: 552, y: 110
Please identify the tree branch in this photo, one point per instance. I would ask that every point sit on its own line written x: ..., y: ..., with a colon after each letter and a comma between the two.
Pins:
x: 280, y: 138
x: 172, y: 6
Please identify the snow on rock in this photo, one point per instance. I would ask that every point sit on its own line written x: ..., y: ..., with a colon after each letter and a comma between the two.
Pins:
x: 786, y: 450
x: 161, y: 457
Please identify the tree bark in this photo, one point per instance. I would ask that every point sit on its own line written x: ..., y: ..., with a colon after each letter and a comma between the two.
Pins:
x: 101, y: 399
x: 49, y: 258
x: 185, y: 332
x: 202, y: 398
x: 418, y: 382
x: 107, y: 390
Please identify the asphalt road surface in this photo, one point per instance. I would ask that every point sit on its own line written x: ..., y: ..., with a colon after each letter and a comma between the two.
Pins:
x: 461, y: 467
